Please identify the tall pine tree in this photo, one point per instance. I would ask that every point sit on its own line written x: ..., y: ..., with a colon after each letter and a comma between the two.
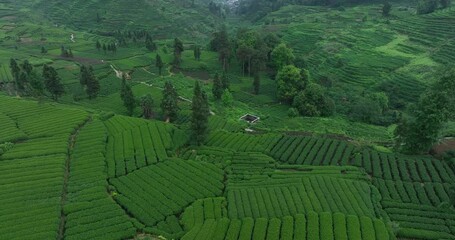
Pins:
x: 149, y: 44
x: 52, y: 82
x: 197, y: 52
x: 15, y: 71
x: 217, y: 88
x: 169, y: 104
x: 128, y: 97
x: 225, y: 81
x: 178, y: 49
x: 84, y: 75
x: 159, y: 63
x: 27, y: 67
x: 256, y: 83
x: 93, y: 85
x: 147, y: 106
x: 200, y: 115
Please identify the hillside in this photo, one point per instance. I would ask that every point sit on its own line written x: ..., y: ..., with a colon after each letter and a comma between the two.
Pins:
x: 110, y: 177
x: 166, y: 18
x: 160, y: 119
x: 358, y: 49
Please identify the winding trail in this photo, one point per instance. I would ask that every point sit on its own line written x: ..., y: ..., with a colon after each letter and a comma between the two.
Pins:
x: 71, y: 143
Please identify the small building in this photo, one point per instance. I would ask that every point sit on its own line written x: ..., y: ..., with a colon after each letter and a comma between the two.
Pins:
x: 250, y: 118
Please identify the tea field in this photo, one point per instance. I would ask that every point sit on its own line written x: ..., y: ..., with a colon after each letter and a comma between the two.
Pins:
x: 74, y: 174
x: 80, y: 168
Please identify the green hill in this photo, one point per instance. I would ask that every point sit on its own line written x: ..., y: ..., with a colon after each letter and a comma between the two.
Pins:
x: 79, y: 168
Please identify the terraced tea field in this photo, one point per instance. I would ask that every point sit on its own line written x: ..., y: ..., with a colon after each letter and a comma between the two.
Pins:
x: 79, y: 169
x: 360, y: 50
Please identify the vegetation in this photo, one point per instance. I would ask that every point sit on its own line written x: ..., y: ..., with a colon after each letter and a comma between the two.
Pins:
x: 244, y: 119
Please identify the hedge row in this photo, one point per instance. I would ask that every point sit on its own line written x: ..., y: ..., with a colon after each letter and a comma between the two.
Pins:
x: 89, y: 209
x: 141, y: 145
x: 164, y: 189
x: 311, y: 226
x: 290, y: 196
x: 407, y: 169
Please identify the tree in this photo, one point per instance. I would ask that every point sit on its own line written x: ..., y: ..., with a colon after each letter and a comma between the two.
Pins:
x: 420, y: 129
x: 178, y: 49
x: 98, y: 45
x: 197, y: 52
x: 22, y: 81
x: 282, y: 56
x: 15, y: 70
x: 256, y: 84
x: 217, y: 88
x: 169, y: 104
x: 128, y: 97
x: 27, y: 67
x: 200, y: 115
x: 43, y: 50
x: 251, y: 51
x: 70, y: 53
x: 271, y: 40
x: 289, y: 83
x: 426, y: 6
x: 149, y: 44
x: 225, y: 81
x: 222, y: 45
x: 36, y: 83
x: 93, y: 85
x: 386, y: 9
x: 417, y: 133
x: 147, y: 106
x: 227, y: 98
x: 312, y: 102
x: 444, y: 3
x: 366, y: 110
x: 52, y: 82
x: 104, y: 48
x: 159, y: 63
x: 84, y: 75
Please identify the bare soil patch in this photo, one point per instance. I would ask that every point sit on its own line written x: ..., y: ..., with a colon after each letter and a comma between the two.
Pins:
x: 82, y: 60
x: 198, y: 74
x: 444, y: 146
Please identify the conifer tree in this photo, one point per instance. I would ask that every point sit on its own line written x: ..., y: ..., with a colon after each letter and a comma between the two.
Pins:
x: 169, y: 104
x: 22, y: 81
x: 200, y: 115
x: 83, y: 75
x: 225, y: 81
x: 217, y: 88
x: 27, y: 67
x: 127, y: 96
x: 256, y: 84
x: 15, y: 70
x: 159, y: 63
x: 93, y: 85
x: 178, y: 49
x: 149, y: 44
x: 52, y: 82
x: 197, y: 52
x: 147, y: 106
x: 98, y: 45
x: 386, y: 9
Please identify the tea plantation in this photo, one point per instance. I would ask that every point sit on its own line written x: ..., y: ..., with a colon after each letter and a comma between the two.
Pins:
x: 80, y: 167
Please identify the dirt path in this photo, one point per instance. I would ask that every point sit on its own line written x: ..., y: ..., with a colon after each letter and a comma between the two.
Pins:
x: 71, y: 143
